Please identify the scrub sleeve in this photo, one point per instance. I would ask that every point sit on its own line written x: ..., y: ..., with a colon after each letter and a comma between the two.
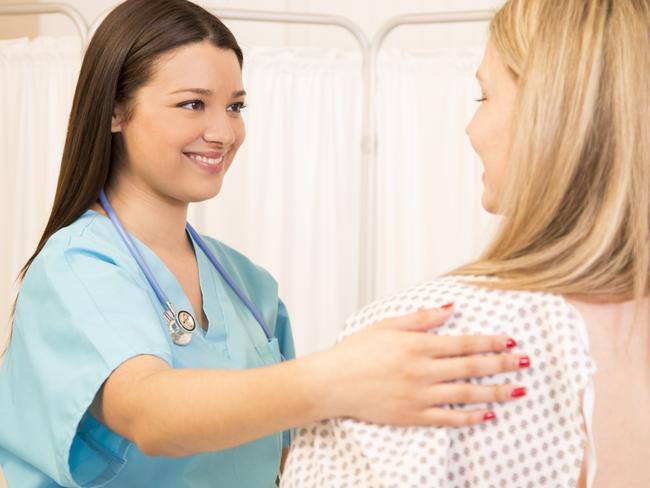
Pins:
x: 81, y: 316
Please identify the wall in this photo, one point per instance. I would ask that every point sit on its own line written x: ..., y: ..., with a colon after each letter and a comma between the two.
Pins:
x: 17, y: 25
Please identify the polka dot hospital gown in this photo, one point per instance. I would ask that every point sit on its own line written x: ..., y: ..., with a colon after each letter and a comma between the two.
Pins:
x: 537, y: 441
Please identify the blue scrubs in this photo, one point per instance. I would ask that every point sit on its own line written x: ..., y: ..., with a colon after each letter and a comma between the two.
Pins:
x: 83, y: 309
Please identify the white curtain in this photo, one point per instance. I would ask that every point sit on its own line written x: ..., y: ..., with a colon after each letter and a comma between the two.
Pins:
x: 37, y: 79
x: 291, y: 201
x: 429, y: 217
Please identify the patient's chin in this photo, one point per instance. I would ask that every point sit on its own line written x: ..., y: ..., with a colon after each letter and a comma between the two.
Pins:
x: 489, y: 202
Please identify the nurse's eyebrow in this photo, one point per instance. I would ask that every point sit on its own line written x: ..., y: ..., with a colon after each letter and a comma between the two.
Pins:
x: 205, y: 92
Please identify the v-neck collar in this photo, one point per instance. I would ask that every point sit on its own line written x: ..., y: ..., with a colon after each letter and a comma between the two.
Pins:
x: 212, y: 309
x: 172, y: 287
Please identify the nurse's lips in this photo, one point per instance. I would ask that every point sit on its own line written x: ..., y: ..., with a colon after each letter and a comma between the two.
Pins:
x: 210, y: 161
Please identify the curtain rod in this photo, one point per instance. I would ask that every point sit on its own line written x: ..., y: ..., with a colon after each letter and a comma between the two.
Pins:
x: 370, y: 53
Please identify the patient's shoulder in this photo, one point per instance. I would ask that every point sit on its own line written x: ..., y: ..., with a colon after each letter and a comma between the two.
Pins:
x: 478, y: 309
x: 536, y: 441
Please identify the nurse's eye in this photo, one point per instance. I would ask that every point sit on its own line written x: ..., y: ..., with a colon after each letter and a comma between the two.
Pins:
x: 482, y: 99
x: 192, y: 105
x: 236, y: 107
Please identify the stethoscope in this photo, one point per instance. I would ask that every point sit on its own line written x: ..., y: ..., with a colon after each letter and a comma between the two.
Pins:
x: 181, y: 324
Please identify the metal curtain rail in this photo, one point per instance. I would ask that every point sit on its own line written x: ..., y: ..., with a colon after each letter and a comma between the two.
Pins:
x: 49, y: 8
x: 305, y: 19
x: 368, y: 249
x: 370, y: 52
x: 367, y: 144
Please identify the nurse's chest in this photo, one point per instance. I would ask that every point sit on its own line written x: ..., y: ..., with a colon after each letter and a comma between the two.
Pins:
x: 234, y: 339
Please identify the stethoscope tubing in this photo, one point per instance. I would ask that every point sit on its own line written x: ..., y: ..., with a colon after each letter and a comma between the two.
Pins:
x: 160, y: 294
x: 126, y: 238
x: 228, y: 279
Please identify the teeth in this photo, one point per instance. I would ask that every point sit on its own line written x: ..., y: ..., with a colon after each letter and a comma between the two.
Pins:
x: 205, y: 160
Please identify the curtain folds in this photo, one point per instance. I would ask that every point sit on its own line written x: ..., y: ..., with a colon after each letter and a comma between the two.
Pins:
x: 37, y: 80
x: 292, y: 199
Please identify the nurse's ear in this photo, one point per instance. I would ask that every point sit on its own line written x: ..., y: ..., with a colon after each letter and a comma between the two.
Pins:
x: 117, y: 119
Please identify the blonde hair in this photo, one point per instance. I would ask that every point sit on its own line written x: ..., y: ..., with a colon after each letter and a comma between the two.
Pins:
x: 576, y: 199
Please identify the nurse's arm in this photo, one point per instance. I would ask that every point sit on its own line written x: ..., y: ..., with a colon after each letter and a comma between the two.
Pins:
x: 178, y: 412
x: 392, y: 373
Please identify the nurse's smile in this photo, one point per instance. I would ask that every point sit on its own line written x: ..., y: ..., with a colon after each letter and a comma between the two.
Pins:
x: 192, y: 105
x: 211, y: 162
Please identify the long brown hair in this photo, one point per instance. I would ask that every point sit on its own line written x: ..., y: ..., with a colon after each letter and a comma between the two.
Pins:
x: 119, y: 60
x: 577, y: 195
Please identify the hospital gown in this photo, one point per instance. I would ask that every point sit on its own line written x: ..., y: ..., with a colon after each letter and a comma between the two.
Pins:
x: 538, y: 441
x: 83, y: 309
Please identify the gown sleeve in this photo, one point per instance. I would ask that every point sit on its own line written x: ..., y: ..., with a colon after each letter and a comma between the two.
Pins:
x: 79, y: 316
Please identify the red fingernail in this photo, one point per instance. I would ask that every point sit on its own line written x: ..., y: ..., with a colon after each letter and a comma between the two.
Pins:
x: 489, y: 416
x: 524, y: 362
x: 510, y: 343
x: 518, y: 392
x: 447, y: 306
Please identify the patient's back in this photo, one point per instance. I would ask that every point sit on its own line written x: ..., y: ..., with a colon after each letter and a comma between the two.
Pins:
x: 619, y: 344
x: 537, y: 441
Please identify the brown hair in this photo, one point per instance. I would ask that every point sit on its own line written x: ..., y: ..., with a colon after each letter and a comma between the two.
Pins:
x: 119, y: 60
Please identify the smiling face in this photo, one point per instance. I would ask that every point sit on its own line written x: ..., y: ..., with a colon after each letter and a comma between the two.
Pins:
x: 490, y: 131
x: 185, y: 124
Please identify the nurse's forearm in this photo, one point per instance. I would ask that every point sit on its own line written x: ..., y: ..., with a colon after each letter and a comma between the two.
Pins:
x: 390, y: 373
x: 185, y: 411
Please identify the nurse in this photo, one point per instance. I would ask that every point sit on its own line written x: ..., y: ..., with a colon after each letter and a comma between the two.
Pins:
x: 143, y: 354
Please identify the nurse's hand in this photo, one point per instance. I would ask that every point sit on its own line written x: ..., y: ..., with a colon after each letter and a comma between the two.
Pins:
x: 394, y: 372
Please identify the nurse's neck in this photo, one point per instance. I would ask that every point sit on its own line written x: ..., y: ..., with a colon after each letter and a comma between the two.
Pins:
x: 156, y: 220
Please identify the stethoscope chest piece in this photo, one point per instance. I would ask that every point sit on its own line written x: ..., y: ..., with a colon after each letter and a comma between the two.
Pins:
x: 181, y: 325
x: 186, y: 320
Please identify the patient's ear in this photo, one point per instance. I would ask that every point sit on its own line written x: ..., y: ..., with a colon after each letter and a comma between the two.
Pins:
x: 117, y: 119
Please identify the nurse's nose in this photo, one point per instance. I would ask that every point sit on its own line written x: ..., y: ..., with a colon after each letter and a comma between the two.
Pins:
x: 220, y: 130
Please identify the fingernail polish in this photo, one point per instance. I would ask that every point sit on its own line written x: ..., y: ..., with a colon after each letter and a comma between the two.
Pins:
x: 447, y: 306
x: 518, y: 392
x: 489, y: 416
x: 524, y: 362
x: 511, y: 343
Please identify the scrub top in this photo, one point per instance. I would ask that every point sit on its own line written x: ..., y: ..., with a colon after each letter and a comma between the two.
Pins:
x: 84, y: 308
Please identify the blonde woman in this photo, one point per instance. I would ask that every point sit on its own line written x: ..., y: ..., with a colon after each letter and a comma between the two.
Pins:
x: 563, y: 130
